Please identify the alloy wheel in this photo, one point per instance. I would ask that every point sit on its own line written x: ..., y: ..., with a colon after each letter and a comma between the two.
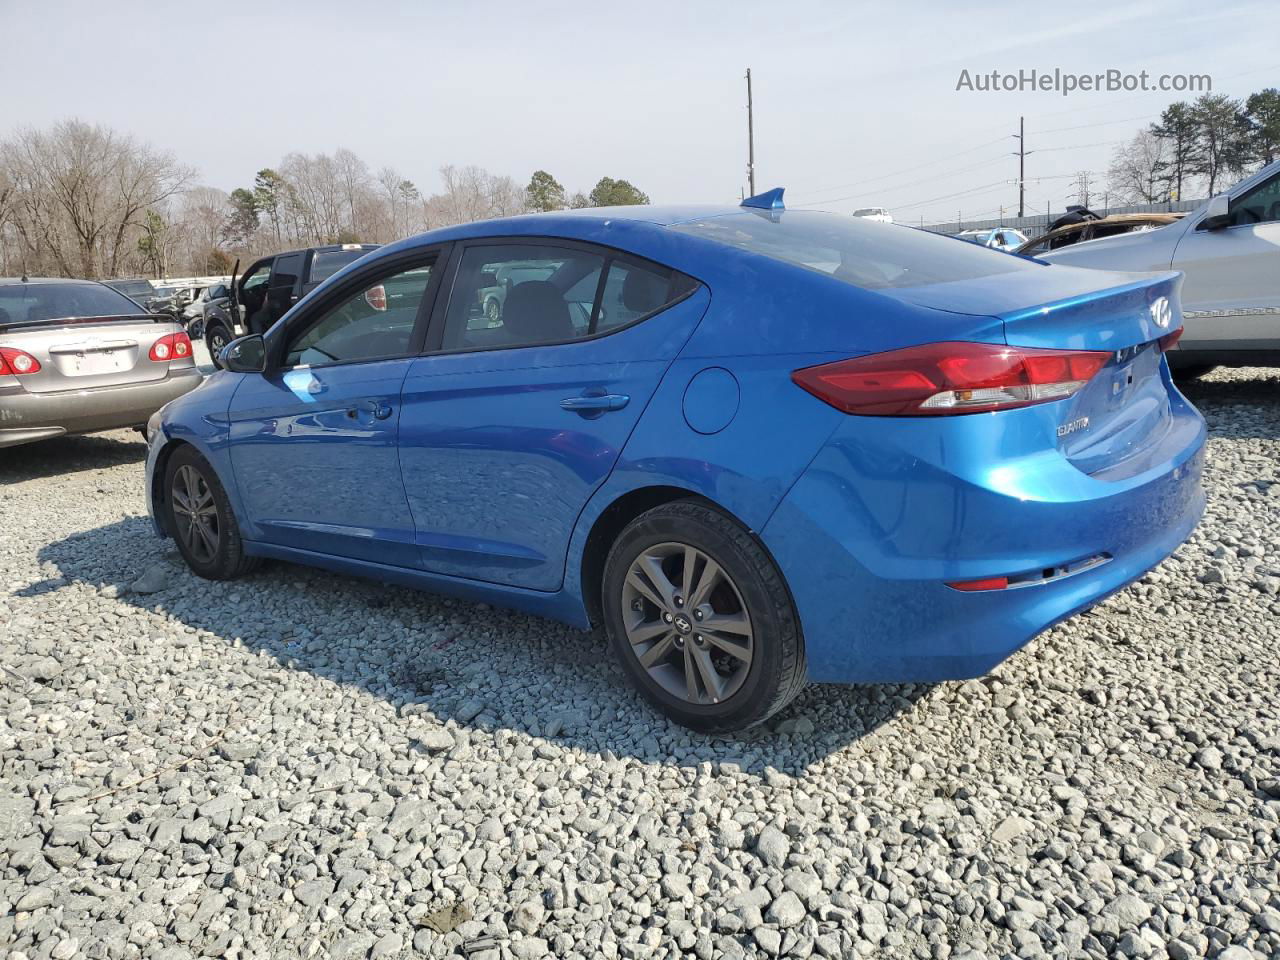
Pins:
x: 196, y: 514
x: 686, y: 623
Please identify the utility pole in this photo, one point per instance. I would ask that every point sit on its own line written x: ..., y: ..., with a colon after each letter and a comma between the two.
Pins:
x: 1021, y: 154
x: 751, y: 140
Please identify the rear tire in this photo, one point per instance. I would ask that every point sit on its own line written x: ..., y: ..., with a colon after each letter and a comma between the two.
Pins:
x: 200, y: 518
x: 711, y: 678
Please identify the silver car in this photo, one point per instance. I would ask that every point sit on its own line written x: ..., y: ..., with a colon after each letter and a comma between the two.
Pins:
x: 1229, y: 250
x: 77, y: 357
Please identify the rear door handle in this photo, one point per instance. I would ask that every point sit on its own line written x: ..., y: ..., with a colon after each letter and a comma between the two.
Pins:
x: 595, y: 404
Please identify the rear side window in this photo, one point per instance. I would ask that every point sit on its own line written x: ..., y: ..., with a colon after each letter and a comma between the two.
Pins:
x: 326, y: 263
x: 30, y: 302
x: 875, y: 256
x: 515, y: 295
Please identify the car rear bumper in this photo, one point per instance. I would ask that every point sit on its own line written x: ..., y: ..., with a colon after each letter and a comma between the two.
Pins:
x: 26, y: 417
x: 889, y: 513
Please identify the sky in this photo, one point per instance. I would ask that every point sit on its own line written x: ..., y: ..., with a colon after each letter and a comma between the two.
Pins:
x: 855, y: 103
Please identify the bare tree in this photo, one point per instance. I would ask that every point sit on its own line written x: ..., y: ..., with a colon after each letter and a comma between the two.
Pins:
x: 473, y: 193
x: 80, y: 195
x: 1137, y: 168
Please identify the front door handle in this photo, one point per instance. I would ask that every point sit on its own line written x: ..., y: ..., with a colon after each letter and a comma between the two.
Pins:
x: 595, y: 404
x: 379, y: 409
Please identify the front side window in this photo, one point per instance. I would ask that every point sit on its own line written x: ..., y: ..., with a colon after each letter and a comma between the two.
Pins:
x: 376, y: 323
x: 874, y: 256
x: 514, y: 295
x: 1259, y: 205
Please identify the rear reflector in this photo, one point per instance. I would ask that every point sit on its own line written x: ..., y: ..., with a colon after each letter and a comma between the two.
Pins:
x: 940, y: 379
x: 173, y: 346
x: 17, y: 362
x: 990, y: 583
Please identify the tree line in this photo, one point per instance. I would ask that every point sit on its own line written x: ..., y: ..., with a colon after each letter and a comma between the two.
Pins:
x: 1204, y: 145
x: 83, y: 200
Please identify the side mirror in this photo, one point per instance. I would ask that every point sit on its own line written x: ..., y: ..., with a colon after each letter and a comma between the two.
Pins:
x: 245, y: 355
x: 1219, y: 213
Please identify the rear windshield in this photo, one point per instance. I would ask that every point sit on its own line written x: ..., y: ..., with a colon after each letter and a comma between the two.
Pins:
x: 134, y: 288
x: 875, y: 256
x: 28, y: 302
x: 328, y: 262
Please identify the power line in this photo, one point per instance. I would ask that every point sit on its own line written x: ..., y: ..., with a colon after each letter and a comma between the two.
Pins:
x: 896, y: 173
x: 952, y: 196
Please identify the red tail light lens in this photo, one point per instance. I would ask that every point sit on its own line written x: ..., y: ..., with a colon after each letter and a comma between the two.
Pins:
x: 173, y: 346
x: 941, y: 379
x: 17, y: 362
x: 376, y: 297
x: 1169, y: 339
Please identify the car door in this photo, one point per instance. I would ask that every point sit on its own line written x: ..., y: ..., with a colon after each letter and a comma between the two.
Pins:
x: 313, y: 440
x: 283, y: 288
x: 1231, y: 294
x: 511, y: 422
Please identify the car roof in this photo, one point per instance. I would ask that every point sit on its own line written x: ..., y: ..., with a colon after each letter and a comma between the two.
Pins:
x: 5, y: 281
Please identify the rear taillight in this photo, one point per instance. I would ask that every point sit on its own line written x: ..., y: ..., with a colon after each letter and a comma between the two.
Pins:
x: 376, y: 297
x: 940, y: 379
x: 18, y: 362
x: 1169, y: 339
x: 173, y: 346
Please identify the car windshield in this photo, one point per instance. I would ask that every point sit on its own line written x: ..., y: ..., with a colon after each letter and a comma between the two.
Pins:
x: 328, y: 262
x: 869, y: 255
x: 29, y: 302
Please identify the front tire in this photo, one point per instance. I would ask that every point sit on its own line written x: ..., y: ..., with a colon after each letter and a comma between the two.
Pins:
x: 216, y: 337
x: 200, y: 518
x: 701, y: 620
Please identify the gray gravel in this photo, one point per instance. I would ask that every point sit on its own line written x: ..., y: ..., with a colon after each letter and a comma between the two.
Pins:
x: 300, y: 765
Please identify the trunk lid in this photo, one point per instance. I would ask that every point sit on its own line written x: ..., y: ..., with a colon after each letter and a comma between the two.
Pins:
x: 83, y: 353
x: 1125, y: 409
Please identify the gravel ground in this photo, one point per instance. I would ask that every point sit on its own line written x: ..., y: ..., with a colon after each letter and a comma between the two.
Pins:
x: 300, y: 765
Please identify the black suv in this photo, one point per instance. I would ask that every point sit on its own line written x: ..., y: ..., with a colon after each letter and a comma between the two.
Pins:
x: 270, y: 287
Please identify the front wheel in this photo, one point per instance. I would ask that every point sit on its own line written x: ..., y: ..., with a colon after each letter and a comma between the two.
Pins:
x: 701, y: 620
x: 216, y: 337
x: 201, y: 520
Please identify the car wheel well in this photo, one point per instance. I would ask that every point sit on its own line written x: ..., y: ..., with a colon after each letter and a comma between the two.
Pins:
x: 612, y: 521
x: 157, y: 481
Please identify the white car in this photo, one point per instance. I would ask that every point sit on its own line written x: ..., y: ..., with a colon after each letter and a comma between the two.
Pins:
x: 879, y: 214
x: 1000, y: 238
x: 1229, y: 250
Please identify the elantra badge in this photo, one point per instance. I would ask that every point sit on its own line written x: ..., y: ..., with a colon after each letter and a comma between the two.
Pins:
x: 1161, y: 313
x: 1071, y: 426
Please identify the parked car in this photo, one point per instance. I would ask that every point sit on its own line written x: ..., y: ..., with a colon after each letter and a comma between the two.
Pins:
x: 878, y: 214
x: 211, y: 298
x: 270, y: 287
x: 1229, y: 250
x: 137, y: 289
x: 1084, y: 230
x: 779, y: 446
x: 1000, y: 238
x: 78, y: 357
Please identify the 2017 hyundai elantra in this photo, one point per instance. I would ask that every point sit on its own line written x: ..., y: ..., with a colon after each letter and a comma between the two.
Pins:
x: 759, y: 446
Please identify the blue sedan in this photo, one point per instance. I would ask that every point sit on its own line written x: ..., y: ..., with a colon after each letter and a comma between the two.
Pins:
x: 760, y: 447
